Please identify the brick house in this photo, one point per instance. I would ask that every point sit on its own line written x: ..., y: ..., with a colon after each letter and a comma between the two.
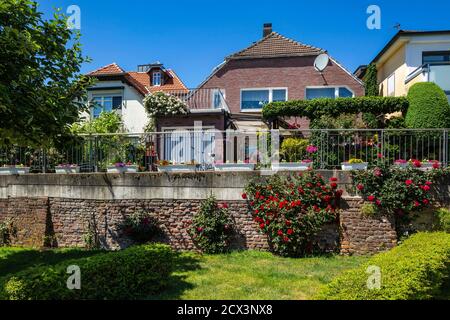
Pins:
x: 123, y: 92
x: 274, y: 68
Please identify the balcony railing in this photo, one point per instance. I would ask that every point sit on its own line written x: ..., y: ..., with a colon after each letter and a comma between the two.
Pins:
x: 202, y: 99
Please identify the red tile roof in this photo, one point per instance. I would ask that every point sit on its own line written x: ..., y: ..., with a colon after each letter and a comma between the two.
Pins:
x: 275, y: 45
x: 140, y: 80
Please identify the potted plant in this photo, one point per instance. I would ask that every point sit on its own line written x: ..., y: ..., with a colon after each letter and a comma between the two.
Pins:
x: 231, y: 166
x: 401, y: 163
x: 67, y: 168
x: 14, y: 169
x: 354, y: 164
x: 120, y: 167
x: 292, y: 166
x: 169, y: 166
x: 426, y: 164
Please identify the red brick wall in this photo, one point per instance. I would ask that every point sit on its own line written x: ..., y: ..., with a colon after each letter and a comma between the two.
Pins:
x: 295, y: 73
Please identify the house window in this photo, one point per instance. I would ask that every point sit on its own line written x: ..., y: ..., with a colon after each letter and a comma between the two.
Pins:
x: 105, y: 103
x: 156, y: 81
x: 391, y: 85
x: 328, y: 92
x: 435, y: 57
x: 255, y: 99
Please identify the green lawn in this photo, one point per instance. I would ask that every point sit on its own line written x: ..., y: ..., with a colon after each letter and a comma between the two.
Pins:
x: 239, y: 275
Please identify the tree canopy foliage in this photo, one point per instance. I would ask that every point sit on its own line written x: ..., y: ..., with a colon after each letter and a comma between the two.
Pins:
x: 41, y: 91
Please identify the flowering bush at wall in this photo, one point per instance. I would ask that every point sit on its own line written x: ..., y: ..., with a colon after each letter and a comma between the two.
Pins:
x: 395, y: 190
x: 140, y: 226
x: 212, y: 227
x: 163, y: 104
x: 291, y: 210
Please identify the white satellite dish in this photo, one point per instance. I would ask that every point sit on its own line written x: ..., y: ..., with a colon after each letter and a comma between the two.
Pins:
x: 321, y: 62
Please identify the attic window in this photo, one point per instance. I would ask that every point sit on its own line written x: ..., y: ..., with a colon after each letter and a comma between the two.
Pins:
x: 156, y: 80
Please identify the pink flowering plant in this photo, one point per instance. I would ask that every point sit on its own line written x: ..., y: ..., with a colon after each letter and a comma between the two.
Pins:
x: 212, y: 227
x: 397, y: 191
x: 140, y: 226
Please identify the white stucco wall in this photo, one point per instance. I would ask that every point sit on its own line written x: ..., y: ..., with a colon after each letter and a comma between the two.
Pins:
x: 133, y: 112
x: 417, y: 45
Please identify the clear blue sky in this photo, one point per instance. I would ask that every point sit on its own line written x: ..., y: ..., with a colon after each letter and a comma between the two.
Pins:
x: 192, y: 37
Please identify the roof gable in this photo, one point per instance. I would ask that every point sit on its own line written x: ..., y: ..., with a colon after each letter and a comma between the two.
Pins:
x: 112, y: 68
x: 275, y: 45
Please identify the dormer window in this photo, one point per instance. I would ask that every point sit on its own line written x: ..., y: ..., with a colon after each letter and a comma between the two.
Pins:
x: 156, y: 80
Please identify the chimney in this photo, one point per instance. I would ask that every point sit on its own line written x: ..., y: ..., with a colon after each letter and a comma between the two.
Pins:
x: 267, y: 29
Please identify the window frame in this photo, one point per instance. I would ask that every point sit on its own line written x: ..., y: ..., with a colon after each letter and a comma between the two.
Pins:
x: 103, y: 96
x: 270, y: 89
x: 431, y: 53
x: 336, y: 90
x: 160, y: 78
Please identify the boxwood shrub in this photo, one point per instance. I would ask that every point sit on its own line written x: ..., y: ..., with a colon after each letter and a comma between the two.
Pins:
x: 133, y: 273
x: 428, y: 107
x: 416, y: 269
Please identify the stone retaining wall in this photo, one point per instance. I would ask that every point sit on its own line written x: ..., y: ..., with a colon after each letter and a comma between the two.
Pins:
x: 57, y: 210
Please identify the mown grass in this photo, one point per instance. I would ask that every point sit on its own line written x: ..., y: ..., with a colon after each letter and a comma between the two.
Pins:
x: 239, y: 275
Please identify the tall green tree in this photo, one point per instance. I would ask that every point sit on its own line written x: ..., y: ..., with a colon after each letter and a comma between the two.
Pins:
x: 41, y: 90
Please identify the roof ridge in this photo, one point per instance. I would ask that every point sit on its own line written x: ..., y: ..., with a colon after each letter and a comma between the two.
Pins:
x: 108, y: 65
x: 253, y: 44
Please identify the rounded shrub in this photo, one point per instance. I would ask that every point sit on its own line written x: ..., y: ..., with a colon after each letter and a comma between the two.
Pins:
x: 134, y: 273
x: 417, y: 269
x: 428, y: 107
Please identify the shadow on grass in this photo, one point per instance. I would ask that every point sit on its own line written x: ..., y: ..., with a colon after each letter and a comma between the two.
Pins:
x: 177, y: 284
x: 16, y: 261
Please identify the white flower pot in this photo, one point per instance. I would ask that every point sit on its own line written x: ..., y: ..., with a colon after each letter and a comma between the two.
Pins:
x: 291, y: 166
x: 401, y: 165
x: 177, y: 168
x: 67, y: 170
x: 427, y: 166
x: 354, y: 166
x: 234, y: 167
x: 14, y: 170
x: 114, y: 169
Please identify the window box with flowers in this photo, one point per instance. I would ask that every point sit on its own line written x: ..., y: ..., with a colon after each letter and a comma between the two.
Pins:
x: 120, y: 167
x: 425, y: 165
x: 14, y: 169
x: 293, y: 166
x: 169, y: 166
x: 231, y: 166
x: 400, y: 163
x: 354, y: 164
x: 67, y: 168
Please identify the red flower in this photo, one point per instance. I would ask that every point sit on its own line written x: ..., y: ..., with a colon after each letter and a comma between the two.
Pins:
x: 436, y: 165
x: 378, y: 202
x: 360, y: 187
x: 244, y: 196
x: 371, y: 198
x: 288, y: 223
x: 286, y: 239
x: 379, y: 156
x: 408, y: 182
x: 280, y: 233
x: 425, y: 187
x: 262, y: 225
x: 416, y: 203
x: 428, y: 183
x: 417, y: 163
x: 334, y: 185
x: 267, y: 222
x: 333, y: 179
x: 199, y: 229
x: 290, y: 231
x: 426, y: 202
x: 224, y: 205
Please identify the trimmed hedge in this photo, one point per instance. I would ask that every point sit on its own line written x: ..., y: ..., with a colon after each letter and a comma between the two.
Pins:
x: 133, y: 273
x: 334, y: 107
x: 416, y: 269
x: 428, y: 108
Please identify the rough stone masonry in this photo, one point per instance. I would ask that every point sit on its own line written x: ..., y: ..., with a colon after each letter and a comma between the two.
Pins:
x: 58, y: 210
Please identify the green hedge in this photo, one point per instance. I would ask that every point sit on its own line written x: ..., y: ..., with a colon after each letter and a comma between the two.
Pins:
x: 428, y: 108
x: 416, y: 269
x: 334, y: 107
x: 133, y: 273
